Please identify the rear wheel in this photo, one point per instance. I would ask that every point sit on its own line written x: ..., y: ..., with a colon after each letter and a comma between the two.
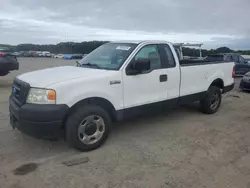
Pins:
x: 211, y: 103
x: 88, y: 127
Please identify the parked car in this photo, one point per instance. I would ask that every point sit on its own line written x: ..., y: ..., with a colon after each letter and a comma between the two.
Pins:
x: 59, y: 56
x: 40, y: 54
x: 245, y: 82
x: 73, y: 56
x: 8, y: 62
x: 46, y: 54
x: 116, y: 81
x: 247, y: 58
x: 68, y: 56
x: 28, y: 54
x: 241, y: 64
x: 16, y: 54
x: 77, y: 56
x: 43, y: 54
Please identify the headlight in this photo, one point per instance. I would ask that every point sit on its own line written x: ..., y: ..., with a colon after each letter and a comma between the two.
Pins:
x: 246, y: 77
x: 41, y: 96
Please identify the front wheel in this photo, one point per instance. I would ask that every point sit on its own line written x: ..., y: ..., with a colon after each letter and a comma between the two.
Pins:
x: 88, y: 127
x: 211, y: 103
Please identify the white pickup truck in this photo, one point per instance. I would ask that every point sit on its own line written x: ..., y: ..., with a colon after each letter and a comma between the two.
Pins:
x: 116, y: 81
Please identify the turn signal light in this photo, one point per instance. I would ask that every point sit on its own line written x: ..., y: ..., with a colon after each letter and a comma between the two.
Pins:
x: 51, y: 95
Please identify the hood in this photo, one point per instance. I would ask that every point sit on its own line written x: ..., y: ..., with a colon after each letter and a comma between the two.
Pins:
x: 247, y: 74
x: 46, y: 77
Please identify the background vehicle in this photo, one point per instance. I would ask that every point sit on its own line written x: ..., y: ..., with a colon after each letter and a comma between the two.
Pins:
x: 16, y: 54
x: 116, y: 81
x: 46, y: 54
x: 67, y: 56
x: 43, y: 54
x: 59, y: 56
x: 27, y: 54
x: 77, y: 56
x: 247, y: 58
x: 245, y: 82
x: 73, y: 56
x: 39, y: 53
x: 241, y: 64
x: 8, y: 62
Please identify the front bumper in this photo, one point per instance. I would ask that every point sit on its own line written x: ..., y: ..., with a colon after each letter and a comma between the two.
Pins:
x: 245, y: 85
x: 43, y: 121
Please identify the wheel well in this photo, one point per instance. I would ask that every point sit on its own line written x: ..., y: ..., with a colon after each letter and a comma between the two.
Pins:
x: 218, y: 83
x: 104, y: 103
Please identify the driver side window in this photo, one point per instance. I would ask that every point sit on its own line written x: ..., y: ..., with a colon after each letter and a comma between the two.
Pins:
x: 151, y: 53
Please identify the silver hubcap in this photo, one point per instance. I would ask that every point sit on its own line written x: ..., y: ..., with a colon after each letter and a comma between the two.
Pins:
x: 214, y: 102
x: 91, y: 129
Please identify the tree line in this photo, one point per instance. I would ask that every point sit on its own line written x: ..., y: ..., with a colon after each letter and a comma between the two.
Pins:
x: 87, y: 47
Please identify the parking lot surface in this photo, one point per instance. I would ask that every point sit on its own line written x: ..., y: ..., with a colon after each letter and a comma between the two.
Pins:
x: 182, y: 148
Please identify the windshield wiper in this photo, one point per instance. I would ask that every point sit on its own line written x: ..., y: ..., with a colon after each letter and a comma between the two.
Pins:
x: 90, y: 65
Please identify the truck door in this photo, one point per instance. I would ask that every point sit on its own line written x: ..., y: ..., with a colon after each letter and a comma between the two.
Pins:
x: 160, y: 84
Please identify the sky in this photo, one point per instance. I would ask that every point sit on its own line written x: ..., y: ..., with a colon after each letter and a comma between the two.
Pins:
x: 214, y: 23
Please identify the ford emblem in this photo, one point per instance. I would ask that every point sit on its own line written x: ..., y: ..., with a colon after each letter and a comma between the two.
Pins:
x: 13, y: 90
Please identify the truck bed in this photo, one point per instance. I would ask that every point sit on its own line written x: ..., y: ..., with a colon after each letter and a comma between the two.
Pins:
x: 196, y: 76
x: 192, y: 62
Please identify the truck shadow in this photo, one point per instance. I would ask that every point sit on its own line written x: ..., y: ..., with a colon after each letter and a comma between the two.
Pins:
x: 146, y: 121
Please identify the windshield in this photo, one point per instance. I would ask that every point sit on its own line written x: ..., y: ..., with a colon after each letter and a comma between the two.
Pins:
x: 109, y: 56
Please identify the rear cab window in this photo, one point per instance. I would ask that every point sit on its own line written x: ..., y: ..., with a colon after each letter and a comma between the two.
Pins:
x: 167, y: 56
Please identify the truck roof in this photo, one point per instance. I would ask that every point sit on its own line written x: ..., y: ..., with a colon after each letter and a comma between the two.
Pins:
x: 140, y: 41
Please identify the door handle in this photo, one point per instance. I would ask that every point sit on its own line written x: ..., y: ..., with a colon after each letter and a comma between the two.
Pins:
x: 163, y: 78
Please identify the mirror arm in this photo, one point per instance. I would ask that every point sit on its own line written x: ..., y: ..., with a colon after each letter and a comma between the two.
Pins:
x: 78, y: 64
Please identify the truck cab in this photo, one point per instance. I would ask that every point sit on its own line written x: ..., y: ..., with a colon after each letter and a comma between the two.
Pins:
x: 116, y: 81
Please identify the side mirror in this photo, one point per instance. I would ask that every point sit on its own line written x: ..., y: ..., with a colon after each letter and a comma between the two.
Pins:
x: 139, y: 66
x: 142, y: 65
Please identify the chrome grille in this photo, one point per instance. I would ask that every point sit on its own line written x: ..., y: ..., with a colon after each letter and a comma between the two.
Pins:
x: 20, y: 91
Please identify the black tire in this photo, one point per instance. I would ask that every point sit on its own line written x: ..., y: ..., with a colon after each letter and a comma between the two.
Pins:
x: 206, y: 103
x: 74, y: 120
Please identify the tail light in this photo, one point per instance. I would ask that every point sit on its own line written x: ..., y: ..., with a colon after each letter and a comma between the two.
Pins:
x: 233, y: 72
x: 2, y: 54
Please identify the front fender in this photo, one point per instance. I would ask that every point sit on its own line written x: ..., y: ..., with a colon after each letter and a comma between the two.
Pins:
x: 114, y: 100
